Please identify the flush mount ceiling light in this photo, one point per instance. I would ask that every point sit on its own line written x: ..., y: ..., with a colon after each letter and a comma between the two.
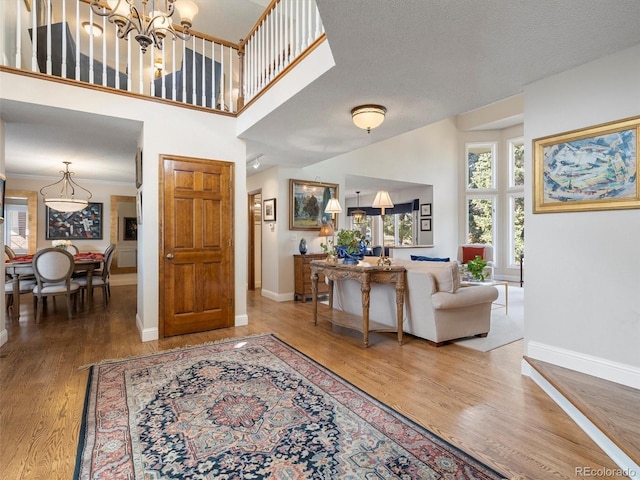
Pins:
x: 368, y: 116
x: 151, y: 25
x: 70, y: 197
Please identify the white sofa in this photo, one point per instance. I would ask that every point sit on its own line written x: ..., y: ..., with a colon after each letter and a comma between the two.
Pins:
x: 436, y: 308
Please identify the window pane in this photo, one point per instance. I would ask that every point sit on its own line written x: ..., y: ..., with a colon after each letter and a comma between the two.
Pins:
x: 405, y: 229
x: 480, y: 220
x: 388, y: 230
x: 517, y: 164
x: 480, y: 167
x: 517, y: 216
x: 16, y: 233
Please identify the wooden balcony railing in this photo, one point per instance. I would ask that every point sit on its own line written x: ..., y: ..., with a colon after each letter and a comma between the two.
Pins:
x: 205, y: 71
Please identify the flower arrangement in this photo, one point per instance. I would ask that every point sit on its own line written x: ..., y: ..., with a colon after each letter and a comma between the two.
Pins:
x: 62, y: 244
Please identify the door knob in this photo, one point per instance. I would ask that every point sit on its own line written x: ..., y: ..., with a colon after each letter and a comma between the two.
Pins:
x: 170, y: 256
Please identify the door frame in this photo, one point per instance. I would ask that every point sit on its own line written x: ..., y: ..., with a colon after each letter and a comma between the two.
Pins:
x: 251, y: 254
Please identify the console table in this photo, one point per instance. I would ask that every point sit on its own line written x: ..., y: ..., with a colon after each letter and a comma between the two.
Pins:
x: 366, y: 275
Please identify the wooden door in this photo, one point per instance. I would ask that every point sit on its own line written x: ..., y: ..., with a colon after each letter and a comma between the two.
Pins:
x: 196, y: 231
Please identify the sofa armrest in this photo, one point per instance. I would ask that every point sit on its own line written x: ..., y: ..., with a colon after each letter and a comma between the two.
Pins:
x: 464, y: 297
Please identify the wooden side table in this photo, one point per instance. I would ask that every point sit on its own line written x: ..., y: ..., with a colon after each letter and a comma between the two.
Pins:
x: 366, y: 275
x: 302, y: 275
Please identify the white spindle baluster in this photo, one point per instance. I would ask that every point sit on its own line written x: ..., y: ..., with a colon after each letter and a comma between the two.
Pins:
x: 304, y: 26
x: 48, y: 36
x: 18, y: 56
x: 204, y: 72
x: 298, y: 28
x: 129, y: 63
x: 63, y: 66
x: 279, y: 42
x: 287, y: 29
x: 222, y: 72
x: 272, y: 45
x: 77, y: 59
x: 173, y: 70
x: 104, y: 52
x: 116, y: 52
x: 231, y: 109
x: 194, y: 94
x: 318, y: 23
x: 214, y: 77
x: 184, y: 79
x: 140, y: 68
x: 34, y: 40
x: 309, y: 24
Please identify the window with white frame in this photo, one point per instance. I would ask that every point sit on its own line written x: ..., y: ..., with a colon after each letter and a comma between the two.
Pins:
x: 481, y: 192
x: 516, y: 201
x: 16, y: 227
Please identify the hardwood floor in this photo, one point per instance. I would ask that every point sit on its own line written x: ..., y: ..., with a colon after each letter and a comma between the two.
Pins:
x: 477, y: 401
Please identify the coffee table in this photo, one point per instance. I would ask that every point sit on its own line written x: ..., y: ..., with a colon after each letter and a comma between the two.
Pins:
x: 492, y: 283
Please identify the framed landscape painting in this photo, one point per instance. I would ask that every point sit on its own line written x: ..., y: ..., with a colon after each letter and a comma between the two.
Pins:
x: 307, y: 203
x: 85, y: 224
x: 594, y: 168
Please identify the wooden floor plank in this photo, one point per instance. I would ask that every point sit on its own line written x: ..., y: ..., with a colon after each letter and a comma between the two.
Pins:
x: 477, y: 401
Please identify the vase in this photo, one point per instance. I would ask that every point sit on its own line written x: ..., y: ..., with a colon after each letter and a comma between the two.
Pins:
x: 302, y: 246
x: 351, y: 258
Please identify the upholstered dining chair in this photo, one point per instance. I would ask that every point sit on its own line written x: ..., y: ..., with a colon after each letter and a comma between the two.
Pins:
x: 53, y: 268
x: 9, y: 253
x: 100, y: 279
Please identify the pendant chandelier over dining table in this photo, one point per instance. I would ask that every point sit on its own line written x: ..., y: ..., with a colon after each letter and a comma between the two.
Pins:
x: 70, y: 197
x: 150, y: 23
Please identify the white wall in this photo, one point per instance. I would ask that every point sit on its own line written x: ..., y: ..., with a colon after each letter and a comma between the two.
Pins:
x: 428, y: 155
x: 583, y: 269
x: 167, y: 130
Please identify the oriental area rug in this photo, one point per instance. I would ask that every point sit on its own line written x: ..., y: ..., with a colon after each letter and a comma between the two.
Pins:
x: 250, y: 408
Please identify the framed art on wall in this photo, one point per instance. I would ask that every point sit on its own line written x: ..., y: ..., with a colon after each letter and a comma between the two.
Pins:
x: 130, y: 228
x: 425, y: 224
x: 594, y: 168
x: 3, y: 188
x: 307, y: 203
x: 85, y: 224
x: 425, y: 210
x: 269, y: 210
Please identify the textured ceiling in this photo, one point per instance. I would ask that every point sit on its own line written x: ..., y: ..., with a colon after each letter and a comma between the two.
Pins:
x: 424, y: 60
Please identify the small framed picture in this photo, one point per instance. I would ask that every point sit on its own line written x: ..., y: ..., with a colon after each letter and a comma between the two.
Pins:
x: 139, y: 168
x: 130, y: 228
x: 425, y: 210
x: 425, y: 224
x: 3, y: 183
x: 269, y: 210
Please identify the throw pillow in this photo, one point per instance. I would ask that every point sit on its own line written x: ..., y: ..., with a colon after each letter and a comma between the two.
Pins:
x: 469, y: 253
x: 420, y: 258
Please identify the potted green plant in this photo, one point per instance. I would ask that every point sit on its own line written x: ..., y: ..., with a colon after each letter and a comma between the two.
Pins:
x: 476, y: 267
x: 350, y: 245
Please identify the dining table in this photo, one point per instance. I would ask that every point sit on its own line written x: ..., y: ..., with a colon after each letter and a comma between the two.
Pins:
x: 22, y: 266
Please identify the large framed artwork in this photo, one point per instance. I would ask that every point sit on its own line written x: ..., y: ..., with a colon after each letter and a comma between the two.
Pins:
x: 85, y: 224
x: 595, y: 168
x: 307, y: 203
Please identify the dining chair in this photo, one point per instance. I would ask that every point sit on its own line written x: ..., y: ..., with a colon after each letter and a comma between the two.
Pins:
x: 53, y: 267
x: 100, y: 279
x: 72, y: 249
x: 8, y: 253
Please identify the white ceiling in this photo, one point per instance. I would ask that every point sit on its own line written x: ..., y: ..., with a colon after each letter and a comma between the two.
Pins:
x: 424, y: 60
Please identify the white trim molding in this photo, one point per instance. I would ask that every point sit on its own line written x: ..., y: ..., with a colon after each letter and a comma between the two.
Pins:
x: 242, y: 320
x: 627, y: 466
x: 146, y: 334
x: 278, y: 297
x: 598, y: 367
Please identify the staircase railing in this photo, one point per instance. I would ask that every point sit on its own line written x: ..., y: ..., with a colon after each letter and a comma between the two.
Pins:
x: 49, y: 37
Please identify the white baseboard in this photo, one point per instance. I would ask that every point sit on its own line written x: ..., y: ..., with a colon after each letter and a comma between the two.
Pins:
x: 278, y: 297
x: 627, y: 466
x: 146, y: 334
x: 588, y: 364
x: 4, y: 337
x: 242, y: 320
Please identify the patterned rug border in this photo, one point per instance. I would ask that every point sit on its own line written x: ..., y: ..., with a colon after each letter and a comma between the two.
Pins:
x: 427, y: 432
